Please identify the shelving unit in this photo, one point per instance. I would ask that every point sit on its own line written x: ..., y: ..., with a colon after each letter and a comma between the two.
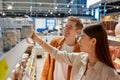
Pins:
x: 30, y: 70
x: 14, y: 55
x: 114, y: 41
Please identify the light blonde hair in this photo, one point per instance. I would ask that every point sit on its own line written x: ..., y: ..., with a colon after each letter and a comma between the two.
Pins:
x: 79, y: 24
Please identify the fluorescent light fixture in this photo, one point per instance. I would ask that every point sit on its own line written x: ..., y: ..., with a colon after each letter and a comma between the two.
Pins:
x: 56, y: 7
x: 9, y: 7
x: 117, y: 7
x: 51, y: 12
x: 3, y: 14
x: 71, y: 2
x: 59, y: 14
x: 67, y: 5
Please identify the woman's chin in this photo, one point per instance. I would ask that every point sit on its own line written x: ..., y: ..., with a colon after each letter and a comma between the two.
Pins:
x: 82, y: 50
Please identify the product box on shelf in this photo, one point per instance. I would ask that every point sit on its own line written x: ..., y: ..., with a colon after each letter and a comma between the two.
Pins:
x: 9, y: 39
x: 25, y: 68
x: 26, y: 31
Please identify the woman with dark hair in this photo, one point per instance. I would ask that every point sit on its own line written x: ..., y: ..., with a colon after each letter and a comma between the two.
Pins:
x: 94, y: 62
x: 98, y: 34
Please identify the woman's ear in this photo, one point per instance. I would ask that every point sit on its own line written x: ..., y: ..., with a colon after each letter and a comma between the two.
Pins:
x: 93, y: 41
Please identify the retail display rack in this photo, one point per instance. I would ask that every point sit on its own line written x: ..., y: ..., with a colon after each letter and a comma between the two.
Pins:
x: 114, y: 41
x: 9, y: 59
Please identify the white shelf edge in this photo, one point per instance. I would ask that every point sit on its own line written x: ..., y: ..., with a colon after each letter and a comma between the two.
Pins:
x: 113, y: 38
x: 14, y: 55
x: 113, y: 41
x: 2, y: 56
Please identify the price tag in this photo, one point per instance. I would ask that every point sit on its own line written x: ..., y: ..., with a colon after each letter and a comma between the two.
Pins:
x: 3, y: 69
x: 118, y: 39
x: 119, y: 61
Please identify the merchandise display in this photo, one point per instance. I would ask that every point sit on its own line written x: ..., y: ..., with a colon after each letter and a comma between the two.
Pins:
x: 117, y: 29
x: 26, y: 31
x: 17, y: 72
x: 21, y: 58
x: 115, y: 54
x: 25, y: 69
x: 30, y: 69
x: 110, y: 27
x: 9, y: 39
x: 18, y: 35
x: 16, y: 56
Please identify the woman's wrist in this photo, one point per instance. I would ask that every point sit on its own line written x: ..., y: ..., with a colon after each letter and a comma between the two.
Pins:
x: 36, y: 38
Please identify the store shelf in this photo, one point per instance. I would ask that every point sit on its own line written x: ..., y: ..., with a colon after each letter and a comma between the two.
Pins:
x: 13, y: 56
x: 30, y: 70
x: 114, y: 41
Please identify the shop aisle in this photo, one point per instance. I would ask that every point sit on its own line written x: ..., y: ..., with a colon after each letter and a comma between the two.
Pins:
x: 40, y: 63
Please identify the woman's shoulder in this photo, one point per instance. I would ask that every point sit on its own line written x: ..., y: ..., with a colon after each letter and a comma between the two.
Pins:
x: 81, y: 56
x: 110, y: 73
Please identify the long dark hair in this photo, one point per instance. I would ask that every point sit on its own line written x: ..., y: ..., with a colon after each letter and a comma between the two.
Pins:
x: 102, y: 47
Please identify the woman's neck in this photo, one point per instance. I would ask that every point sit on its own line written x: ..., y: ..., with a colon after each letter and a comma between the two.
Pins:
x: 92, y: 60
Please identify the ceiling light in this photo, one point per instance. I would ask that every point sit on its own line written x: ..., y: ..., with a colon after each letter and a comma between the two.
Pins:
x: 40, y: 4
x: 114, y: 6
x: 82, y: 6
x: 68, y: 11
x: 55, y: 7
x: 59, y: 14
x: 51, y: 12
x: 26, y: 16
x: 105, y: 10
x: 9, y: 7
x: 3, y: 14
x: 117, y: 7
x: 30, y: 8
x: 71, y: 2
x: 67, y: 5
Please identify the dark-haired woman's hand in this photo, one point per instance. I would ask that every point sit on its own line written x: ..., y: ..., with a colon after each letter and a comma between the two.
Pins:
x: 34, y: 36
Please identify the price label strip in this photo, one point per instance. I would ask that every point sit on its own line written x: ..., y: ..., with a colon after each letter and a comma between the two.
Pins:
x: 3, y: 69
x: 117, y: 60
x: 118, y: 39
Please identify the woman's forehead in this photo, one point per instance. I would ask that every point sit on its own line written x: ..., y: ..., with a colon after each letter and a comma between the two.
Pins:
x: 84, y: 35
